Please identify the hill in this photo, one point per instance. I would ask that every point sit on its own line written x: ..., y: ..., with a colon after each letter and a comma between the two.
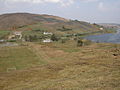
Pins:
x: 20, y: 19
x: 27, y: 21
x: 110, y: 25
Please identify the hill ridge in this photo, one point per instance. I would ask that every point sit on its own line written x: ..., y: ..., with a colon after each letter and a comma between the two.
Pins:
x: 18, y: 21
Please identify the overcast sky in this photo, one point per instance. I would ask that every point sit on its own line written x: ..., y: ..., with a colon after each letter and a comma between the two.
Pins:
x: 99, y: 11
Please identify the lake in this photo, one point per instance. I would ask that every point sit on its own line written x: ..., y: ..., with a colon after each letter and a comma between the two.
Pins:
x: 106, y: 38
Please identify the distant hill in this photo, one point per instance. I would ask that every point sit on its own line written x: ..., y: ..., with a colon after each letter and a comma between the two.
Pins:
x: 19, y: 19
x: 27, y: 21
x: 110, y: 25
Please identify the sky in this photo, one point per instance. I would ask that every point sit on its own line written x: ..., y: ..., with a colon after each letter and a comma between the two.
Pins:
x: 94, y: 11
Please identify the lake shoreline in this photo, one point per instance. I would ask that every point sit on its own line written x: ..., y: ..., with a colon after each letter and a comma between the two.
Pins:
x: 105, y: 38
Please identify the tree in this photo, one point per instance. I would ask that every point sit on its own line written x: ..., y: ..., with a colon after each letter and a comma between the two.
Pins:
x: 63, y: 28
x: 54, y: 38
x: 34, y: 38
x: 80, y: 43
x: 26, y: 38
x: 63, y: 41
x: 30, y: 38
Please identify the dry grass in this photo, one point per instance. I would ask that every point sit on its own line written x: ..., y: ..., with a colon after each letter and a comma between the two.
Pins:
x: 67, y: 67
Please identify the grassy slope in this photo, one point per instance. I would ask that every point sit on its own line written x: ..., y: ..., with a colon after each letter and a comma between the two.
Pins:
x: 66, y: 66
x: 75, y: 26
x: 17, y: 57
x: 21, y: 20
x: 3, y: 33
x: 27, y: 22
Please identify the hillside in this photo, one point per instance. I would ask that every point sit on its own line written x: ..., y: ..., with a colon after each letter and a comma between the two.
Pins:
x: 26, y: 21
x: 20, y: 19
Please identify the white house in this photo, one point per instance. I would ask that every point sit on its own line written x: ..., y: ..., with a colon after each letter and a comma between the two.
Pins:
x: 2, y: 40
x: 11, y: 37
x: 47, y: 33
x: 15, y: 34
x: 101, y: 28
x: 19, y: 34
x: 47, y: 40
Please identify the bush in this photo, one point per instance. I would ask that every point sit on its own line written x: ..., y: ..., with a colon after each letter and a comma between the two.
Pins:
x: 54, y: 37
x: 83, y: 42
x: 12, y: 40
x: 80, y: 43
x: 63, y: 41
x: 31, y: 38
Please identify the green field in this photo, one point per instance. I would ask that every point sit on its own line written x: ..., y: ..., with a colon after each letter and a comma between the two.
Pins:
x: 18, y: 57
x: 4, y: 33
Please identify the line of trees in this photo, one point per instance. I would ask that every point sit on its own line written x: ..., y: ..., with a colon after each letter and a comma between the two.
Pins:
x: 31, y: 38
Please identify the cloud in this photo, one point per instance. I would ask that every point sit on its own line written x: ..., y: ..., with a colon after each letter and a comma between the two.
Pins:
x: 102, y: 7
x: 65, y: 3
x: 89, y: 1
x: 62, y: 2
x: 33, y: 1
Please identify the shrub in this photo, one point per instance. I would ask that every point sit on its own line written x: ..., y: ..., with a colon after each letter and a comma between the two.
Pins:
x: 63, y: 41
x: 54, y: 37
x: 13, y: 40
x: 80, y: 43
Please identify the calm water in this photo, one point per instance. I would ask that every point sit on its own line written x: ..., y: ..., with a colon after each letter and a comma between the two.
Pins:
x: 107, y: 38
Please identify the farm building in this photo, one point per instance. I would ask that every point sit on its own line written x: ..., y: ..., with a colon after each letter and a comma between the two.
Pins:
x: 16, y: 35
x: 47, y: 40
x: 47, y: 33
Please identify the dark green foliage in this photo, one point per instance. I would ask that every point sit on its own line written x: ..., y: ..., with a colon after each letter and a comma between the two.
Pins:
x: 35, y: 38
x: 99, y: 26
x: 26, y: 38
x: 22, y: 26
x: 77, y: 21
x: 80, y: 43
x: 63, y: 41
x: 65, y: 29
x: 38, y: 30
x: 83, y: 42
x: 11, y: 40
x: 75, y: 38
x: 95, y: 24
x: 31, y: 38
x: 54, y: 37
